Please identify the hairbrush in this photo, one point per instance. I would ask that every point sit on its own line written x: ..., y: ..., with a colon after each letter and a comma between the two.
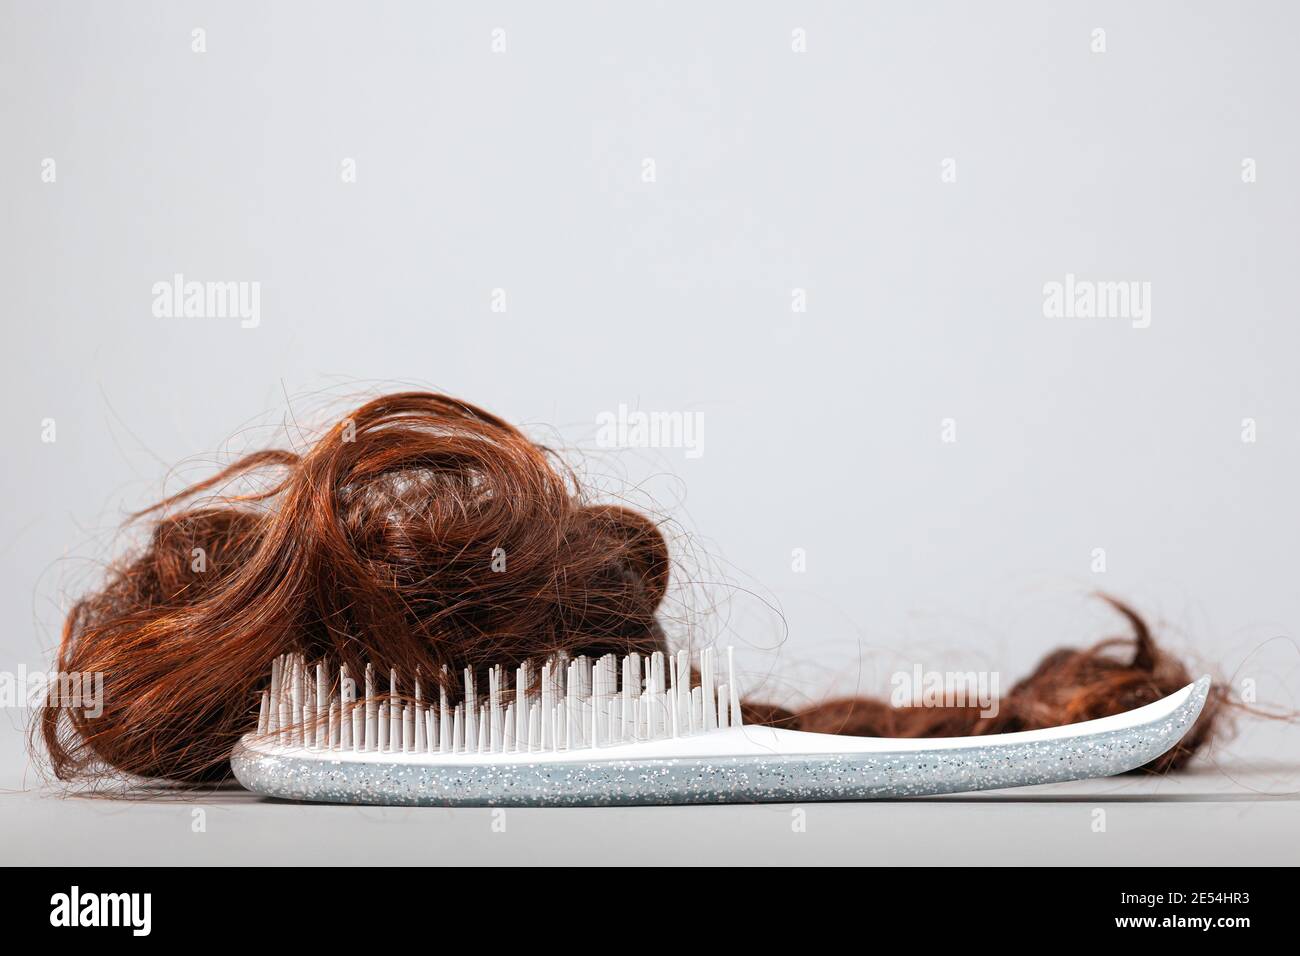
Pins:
x: 636, y: 730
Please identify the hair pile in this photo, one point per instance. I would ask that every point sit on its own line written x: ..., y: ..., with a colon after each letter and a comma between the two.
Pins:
x: 418, y: 532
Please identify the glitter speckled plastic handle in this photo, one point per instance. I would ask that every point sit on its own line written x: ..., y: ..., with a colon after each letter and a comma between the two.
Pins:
x: 738, y: 765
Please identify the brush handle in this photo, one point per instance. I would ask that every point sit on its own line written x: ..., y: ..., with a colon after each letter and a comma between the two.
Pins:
x: 739, y: 765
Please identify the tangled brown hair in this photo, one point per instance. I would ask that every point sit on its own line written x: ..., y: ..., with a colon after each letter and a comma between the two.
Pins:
x: 418, y: 532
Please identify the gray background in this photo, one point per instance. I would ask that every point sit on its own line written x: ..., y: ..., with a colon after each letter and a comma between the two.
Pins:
x: 776, y: 170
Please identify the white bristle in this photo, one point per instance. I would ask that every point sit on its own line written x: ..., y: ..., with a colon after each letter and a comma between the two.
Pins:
x: 321, y: 697
x: 522, y: 684
x: 571, y: 726
x: 625, y: 705
x: 471, y: 713
x: 547, y: 708
x: 706, y: 688
x: 572, y: 703
x: 494, y: 710
x: 282, y: 704
x: 309, y: 718
x: 394, y: 715
x: 683, y: 690
x: 371, y: 740
x: 446, y: 741
x: 733, y: 687
x: 273, y: 700
x: 295, y: 701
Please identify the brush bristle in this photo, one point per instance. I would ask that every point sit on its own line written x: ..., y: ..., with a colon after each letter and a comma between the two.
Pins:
x: 566, y: 704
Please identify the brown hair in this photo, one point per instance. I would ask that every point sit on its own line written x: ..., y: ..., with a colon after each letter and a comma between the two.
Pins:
x: 418, y: 532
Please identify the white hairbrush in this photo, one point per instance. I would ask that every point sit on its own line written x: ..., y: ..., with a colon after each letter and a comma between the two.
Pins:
x: 635, y: 731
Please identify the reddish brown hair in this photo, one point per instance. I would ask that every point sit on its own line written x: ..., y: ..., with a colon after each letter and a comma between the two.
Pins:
x: 1067, y: 686
x: 422, y: 531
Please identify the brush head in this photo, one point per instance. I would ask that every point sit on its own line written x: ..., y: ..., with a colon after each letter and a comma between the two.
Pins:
x: 561, y: 704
